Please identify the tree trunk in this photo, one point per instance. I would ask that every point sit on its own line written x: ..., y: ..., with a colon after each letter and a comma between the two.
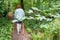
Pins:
x: 22, y: 4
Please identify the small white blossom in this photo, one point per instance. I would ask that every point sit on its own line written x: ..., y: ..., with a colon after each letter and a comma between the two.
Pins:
x: 30, y: 17
x: 48, y: 19
x: 57, y: 16
x: 34, y: 8
x: 30, y: 11
x: 38, y: 15
x: 43, y: 17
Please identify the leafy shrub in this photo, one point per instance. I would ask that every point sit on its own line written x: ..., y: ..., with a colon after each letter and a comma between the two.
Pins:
x: 5, y: 29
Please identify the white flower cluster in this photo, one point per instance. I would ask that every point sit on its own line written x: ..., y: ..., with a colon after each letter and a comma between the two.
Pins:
x: 55, y: 16
x: 48, y: 19
x: 34, y: 8
x: 40, y: 17
x: 30, y: 11
x: 43, y: 18
x: 30, y: 17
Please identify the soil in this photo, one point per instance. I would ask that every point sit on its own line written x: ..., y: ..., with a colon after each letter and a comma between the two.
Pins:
x: 21, y: 36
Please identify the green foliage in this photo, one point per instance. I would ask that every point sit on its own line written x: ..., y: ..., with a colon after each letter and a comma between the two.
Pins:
x: 37, y: 24
x: 5, y: 29
x: 1, y: 6
x: 47, y: 29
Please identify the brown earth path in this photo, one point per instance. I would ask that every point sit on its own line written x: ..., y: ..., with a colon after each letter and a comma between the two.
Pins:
x: 21, y: 36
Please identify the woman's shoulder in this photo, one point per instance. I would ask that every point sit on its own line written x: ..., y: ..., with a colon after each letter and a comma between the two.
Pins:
x: 20, y: 9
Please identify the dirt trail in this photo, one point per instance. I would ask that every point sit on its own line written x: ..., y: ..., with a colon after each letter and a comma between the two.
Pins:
x: 15, y: 36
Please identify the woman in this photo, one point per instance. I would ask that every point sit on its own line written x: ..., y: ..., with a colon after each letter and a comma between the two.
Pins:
x: 18, y: 17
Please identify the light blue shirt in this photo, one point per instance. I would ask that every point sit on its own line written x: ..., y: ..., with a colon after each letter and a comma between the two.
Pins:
x: 19, y: 14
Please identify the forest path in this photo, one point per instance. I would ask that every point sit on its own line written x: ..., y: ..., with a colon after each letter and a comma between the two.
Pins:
x: 21, y: 36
